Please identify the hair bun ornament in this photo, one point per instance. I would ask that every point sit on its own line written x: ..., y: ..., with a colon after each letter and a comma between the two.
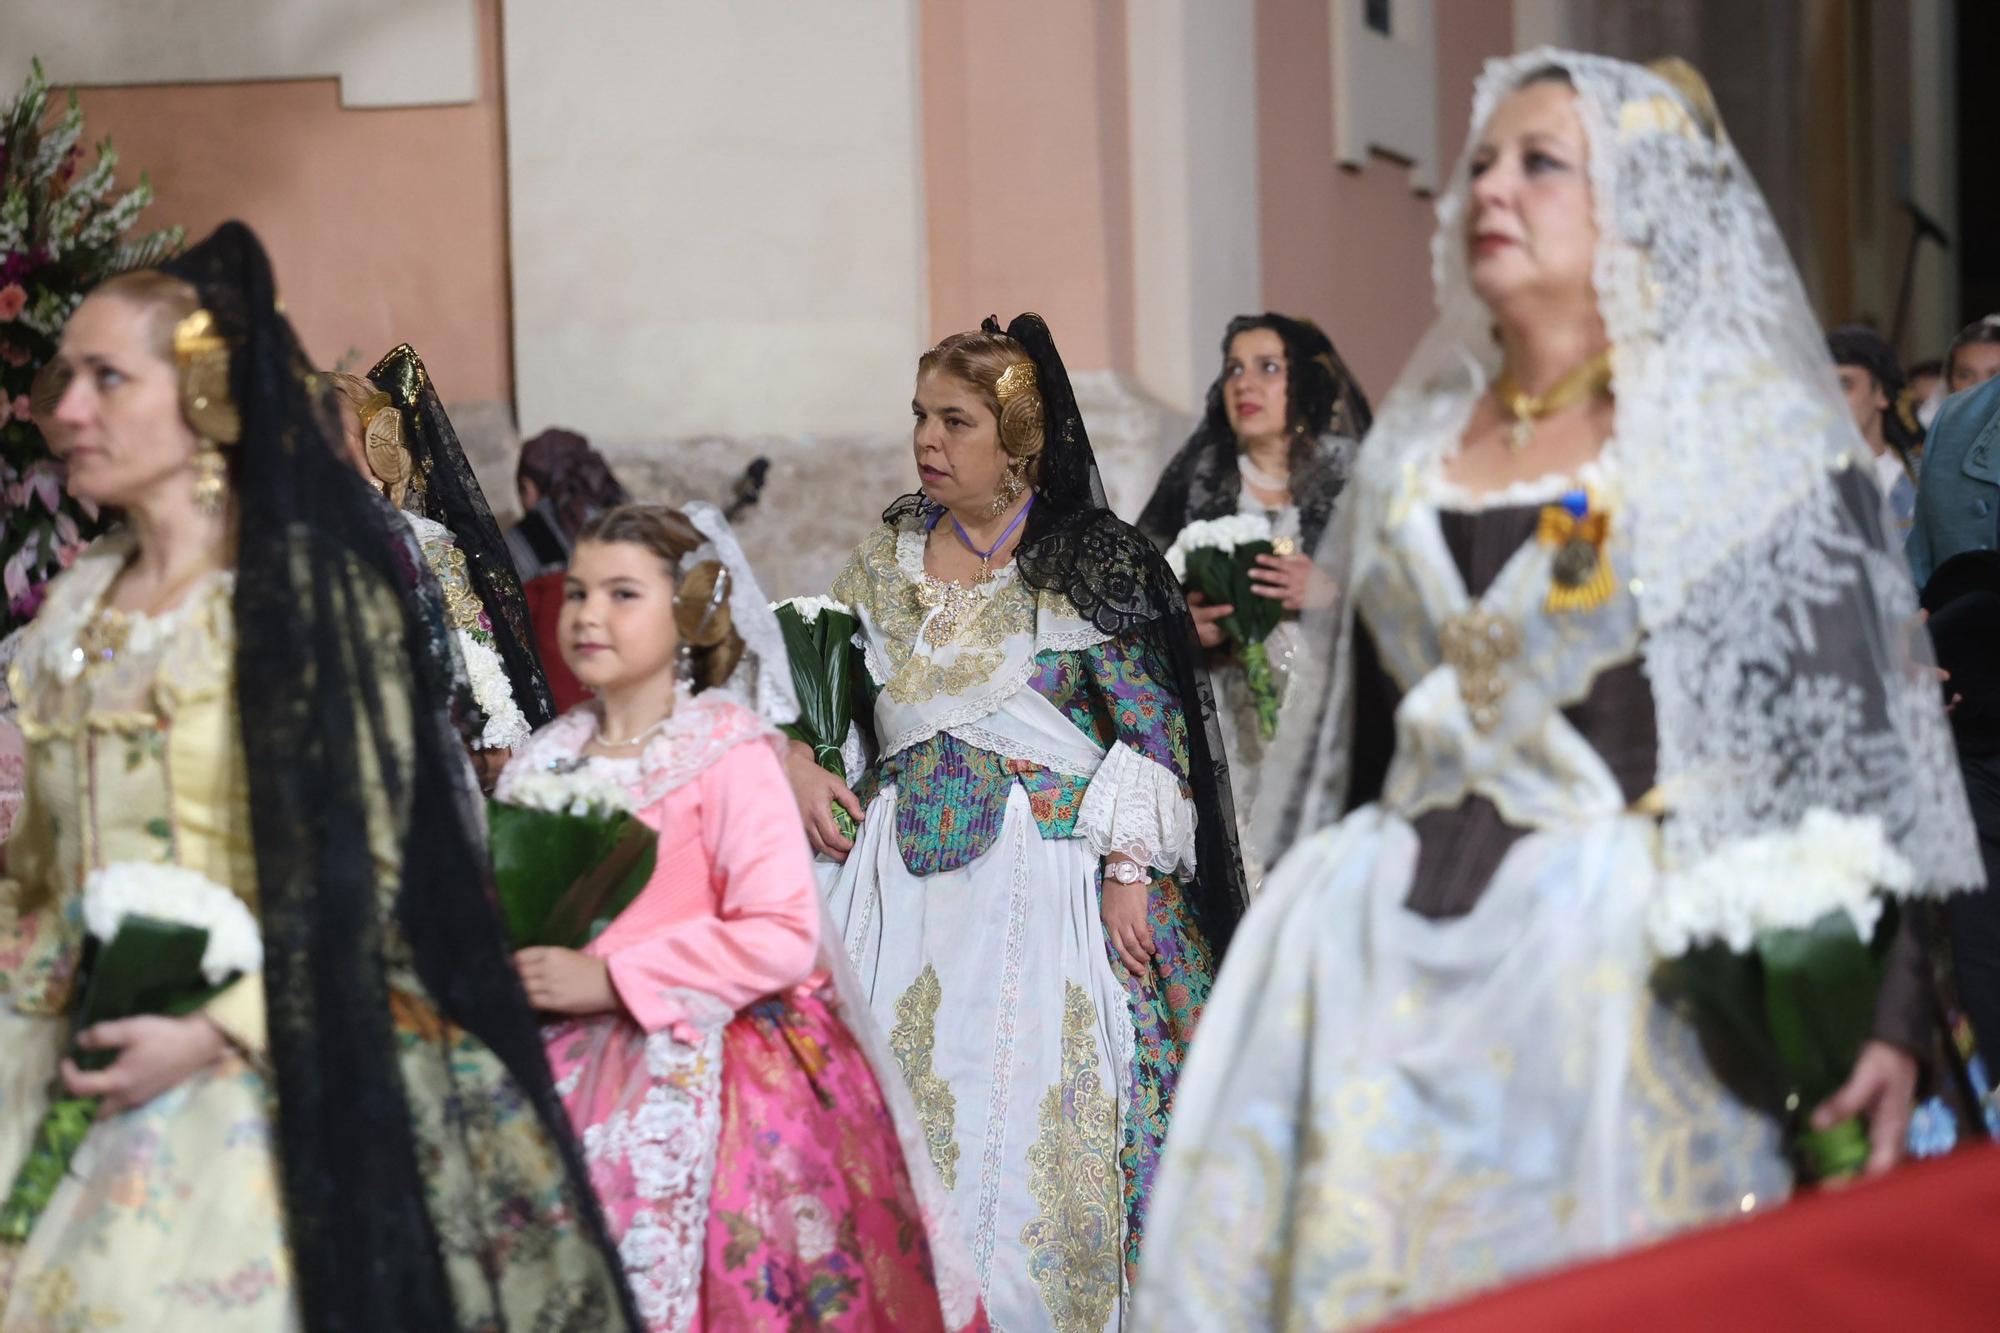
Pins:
x: 202, y: 354
x: 1015, y: 380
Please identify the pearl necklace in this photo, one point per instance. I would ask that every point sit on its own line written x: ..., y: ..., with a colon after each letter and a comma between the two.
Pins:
x: 1261, y: 479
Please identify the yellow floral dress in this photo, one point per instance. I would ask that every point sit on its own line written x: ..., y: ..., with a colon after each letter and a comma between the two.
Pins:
x: 171, y: 1216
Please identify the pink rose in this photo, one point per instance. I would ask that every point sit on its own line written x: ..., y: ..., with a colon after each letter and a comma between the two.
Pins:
x: 12, y: 355
x: 13, y: 300
x: 23, y: 408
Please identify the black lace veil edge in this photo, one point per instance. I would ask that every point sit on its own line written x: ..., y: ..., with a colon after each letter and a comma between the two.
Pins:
x: 1075, y: 547
x: 344, y: 740
x: 1325, y: 401
x: 448, y: 492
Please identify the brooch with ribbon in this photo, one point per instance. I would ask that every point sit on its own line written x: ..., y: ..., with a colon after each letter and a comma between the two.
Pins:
x: 1581, y: 570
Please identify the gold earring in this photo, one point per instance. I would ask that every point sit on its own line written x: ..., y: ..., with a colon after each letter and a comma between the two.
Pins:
x: 211, y: 478
x: 1010, y: 490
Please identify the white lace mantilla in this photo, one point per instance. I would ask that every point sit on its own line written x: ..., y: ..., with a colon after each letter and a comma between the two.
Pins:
x: 1779, y: 624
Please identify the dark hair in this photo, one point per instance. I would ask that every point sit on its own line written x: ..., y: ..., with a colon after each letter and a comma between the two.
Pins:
x: 1983, y: 330
x: 1861, y: 347
x: 574, y: 477
x: 1932, y: 366
x: 1321, y: 395
x: 1546, y: 74
x: 701, y: 593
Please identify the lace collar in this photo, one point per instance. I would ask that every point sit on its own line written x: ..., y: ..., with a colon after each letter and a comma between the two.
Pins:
x: 1596, y: 475
x: 701, y: 730
x: 74, y: 600
x: 910, y: 561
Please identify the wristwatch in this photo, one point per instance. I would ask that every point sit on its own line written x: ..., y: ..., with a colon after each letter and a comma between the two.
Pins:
x: 1127, y: 872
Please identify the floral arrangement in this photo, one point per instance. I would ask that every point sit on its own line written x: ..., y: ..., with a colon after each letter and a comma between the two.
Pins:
x: 163, y: 940
x: 582, y: 793
x: 62, y: 231
x: 1778, y: 942
x: 1214, y: 556
x: 569, y: 854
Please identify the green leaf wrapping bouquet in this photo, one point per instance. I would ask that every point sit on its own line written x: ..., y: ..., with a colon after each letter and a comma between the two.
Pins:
x: 1778, y: 945
x: 819, y: 634
x: 569, y: 854
x: 160, y: 939
x: 1214, y: 556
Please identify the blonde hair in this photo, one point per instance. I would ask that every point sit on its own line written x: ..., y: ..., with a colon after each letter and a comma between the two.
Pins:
x: 701, y: 593
x: 167, y: 301
x: 980, y: 359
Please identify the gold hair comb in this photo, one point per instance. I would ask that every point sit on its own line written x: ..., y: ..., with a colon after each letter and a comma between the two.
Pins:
x: 1018, y: 378
x: 203, y: 356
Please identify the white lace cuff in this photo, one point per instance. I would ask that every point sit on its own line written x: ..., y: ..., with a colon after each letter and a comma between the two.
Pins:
x: 506, y: 725
x: 1782, y: 880
x: 1135, y: 806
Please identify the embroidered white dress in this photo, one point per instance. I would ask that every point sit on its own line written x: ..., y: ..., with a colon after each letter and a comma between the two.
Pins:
x: 1387, y: 1108
x: 1017, y: 1037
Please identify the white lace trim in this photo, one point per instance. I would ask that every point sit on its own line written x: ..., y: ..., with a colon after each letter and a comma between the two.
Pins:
x: 506, y: 726
x: 1782, y: 880
x: 964, y: 714
x: 1015, y: 747
x: 669, y: 1144
x: 50, y: 641
x: 1063, y: 638
x: 702, y: 729
x: 1135, y: 806
x: 1012, y: 954
x: 1595, y: 474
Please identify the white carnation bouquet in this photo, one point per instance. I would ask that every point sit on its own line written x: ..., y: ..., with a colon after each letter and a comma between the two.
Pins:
x: 569, y: 854
x: 1778, y: 941
x: 1214, y: 556
x: 161, y: 939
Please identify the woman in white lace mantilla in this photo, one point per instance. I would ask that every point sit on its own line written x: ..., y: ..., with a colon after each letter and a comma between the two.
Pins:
x: 1045, y: 870
x: 1576, y: 690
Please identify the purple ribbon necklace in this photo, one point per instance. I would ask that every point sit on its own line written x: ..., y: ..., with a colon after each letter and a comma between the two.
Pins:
x: 985, y: 556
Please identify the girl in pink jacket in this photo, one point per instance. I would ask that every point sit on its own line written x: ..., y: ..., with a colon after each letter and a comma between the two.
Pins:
x: 752, y: 1166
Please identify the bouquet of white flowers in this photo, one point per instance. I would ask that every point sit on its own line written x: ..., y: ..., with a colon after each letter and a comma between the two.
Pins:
x: 160, y: 940
x: 1778, y: 942
x: 569, y: 855
x: 1214, y: 556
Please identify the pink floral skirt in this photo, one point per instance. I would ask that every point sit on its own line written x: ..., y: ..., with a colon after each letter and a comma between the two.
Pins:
x: 753, y: 1180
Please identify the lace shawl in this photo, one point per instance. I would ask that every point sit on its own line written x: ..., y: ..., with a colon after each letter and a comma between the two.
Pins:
x: 1781, y: 640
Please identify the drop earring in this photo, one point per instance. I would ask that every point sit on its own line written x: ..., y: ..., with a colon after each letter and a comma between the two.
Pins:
x: 1010, y: 490
x: 211, y: 478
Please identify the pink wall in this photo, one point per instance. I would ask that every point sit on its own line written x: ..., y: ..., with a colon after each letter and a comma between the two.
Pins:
x: 1351, y: 249
x: 1027, y: 170
x: 384, y: 225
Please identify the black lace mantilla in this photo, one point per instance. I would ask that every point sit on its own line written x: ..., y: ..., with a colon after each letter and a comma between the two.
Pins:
x: 1326, y: 413
x: 349, y: 751
x: 446, y: 490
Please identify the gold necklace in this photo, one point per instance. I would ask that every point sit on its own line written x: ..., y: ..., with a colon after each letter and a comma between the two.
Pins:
x: 1588, y: 380
x: 108, y: 632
